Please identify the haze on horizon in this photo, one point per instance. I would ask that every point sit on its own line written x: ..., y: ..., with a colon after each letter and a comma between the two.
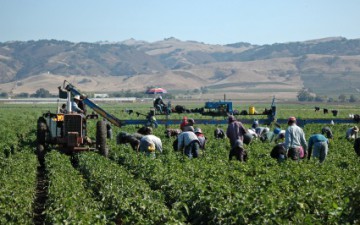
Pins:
x: 211, y: 22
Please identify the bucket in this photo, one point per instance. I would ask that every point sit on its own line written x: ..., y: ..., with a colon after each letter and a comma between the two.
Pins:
x: 251, y: 110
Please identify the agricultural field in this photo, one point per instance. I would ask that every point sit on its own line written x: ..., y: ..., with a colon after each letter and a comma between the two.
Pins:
x: 130, y: 188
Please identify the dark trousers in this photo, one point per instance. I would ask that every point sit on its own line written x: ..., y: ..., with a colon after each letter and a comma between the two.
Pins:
x: 239, y: 153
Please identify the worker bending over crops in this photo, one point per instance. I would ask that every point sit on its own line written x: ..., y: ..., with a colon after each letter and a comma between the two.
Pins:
x: 320, y: 144
x: 352, y: 133
x: 189, y: 143
x: 279, y: 152
x: 189, y: 125
x: 201, y: 137
x: 149, y: 143
x: 327, y: 132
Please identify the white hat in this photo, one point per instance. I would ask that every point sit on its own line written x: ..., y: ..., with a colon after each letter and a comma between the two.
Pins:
x: 77, y: 97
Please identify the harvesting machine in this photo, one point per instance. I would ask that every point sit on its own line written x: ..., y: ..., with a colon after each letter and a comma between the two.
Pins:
x: 67, y: 131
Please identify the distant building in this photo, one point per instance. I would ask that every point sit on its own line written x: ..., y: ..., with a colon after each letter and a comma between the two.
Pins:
x: 101, y: 95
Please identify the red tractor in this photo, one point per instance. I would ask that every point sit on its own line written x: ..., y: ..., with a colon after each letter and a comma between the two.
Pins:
x: 67, y: 131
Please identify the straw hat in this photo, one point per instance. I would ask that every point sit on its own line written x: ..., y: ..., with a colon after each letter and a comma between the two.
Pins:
x: 198, y: 130
x: 356, y: 129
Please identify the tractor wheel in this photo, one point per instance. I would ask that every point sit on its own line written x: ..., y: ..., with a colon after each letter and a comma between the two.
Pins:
x: 101, y: 134
x: 41, y: 131
x: 41, y: 139
x: 40, y: 152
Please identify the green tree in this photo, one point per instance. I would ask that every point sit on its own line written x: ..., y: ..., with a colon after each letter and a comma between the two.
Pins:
x: 42, y: 93
x: 204, y: 90
x: 3, y: 95
x: 23, y: 95
x: 319, y: 98
x: 342, y: 98
x: 353, y: 98
x: 304, y: 95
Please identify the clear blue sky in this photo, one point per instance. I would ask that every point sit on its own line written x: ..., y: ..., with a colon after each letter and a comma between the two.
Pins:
x: 208, y: 21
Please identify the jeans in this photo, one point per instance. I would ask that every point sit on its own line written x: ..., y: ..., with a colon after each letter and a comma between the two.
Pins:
x: 192, y: 150
x: 320, y: 150
x: 159, y: 107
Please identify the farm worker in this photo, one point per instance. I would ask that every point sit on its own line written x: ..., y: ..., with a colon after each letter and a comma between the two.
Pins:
x: 189, y: 126
x: 279, y: 152
x: 252, y: 132
x: 238, y: 151
x: 159, y: 104
x: 189, y: 143
x: 352, y: 133
x: 357, y: 146
x: 75, y: 104
x: 279, y: 134
x: 219, y: 133
x: 267, y: 136
x: 151, y: 120
x: 295, y: 142
x: 235, y: 130
x: 201, y: 137
x: 255, y: 124
x: 320, y: 144
x: 261, y: 130
x: 327, y: 132
x: 248, y: 137
x: 149, y: 143
x: 62, y: 109
x: 81, y: 104
x: 184, y: 122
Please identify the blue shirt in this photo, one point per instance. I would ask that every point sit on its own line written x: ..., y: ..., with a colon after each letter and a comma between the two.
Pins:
x: 316, y: 138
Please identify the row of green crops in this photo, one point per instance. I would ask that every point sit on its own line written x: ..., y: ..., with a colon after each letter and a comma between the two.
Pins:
x: 69, y: 202
x: 17, y: 129
x: 129, y: 188
x: 17, y: 188
x: 128, y: 200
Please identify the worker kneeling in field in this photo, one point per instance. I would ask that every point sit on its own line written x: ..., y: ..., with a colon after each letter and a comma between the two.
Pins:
x: 149, y: 143
x: 238, y: 151
x: 189, y: 143
x: 320, y: 144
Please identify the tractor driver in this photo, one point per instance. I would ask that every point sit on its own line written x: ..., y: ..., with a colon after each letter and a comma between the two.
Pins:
x: 75, y: 104
x: 159, y: 104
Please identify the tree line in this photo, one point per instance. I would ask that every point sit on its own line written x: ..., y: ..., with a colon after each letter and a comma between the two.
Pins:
x: 304, y: 95
x: 43, y: 93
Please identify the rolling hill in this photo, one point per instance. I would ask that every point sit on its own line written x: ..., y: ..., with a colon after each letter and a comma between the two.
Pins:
x: 326, y: 66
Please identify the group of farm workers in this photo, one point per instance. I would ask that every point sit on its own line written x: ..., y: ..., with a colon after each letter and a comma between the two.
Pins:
x: 190, y: 140
x: 294, y: 146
